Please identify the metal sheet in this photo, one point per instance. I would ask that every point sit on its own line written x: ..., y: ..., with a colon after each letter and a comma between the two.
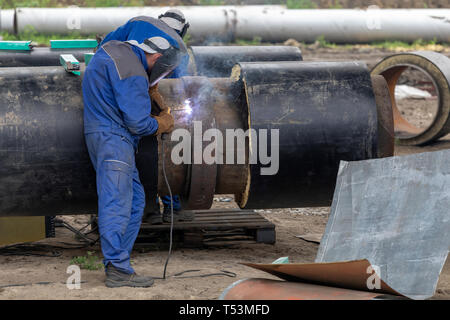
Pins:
x: 265, y: 289
x: 395, y: 213
x: 347, y: 274
x: 21, y: 229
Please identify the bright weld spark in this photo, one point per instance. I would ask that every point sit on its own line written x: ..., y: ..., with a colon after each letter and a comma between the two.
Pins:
x: 187, y: 106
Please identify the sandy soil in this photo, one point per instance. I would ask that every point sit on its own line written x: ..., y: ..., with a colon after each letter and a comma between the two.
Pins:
x: 28, y: 270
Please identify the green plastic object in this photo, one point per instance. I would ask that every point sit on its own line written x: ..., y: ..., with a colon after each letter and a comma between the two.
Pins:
x: 70, y: 63
x: 282, y: 260
x: 88, y: 57
x: 73, y: 44
x: 15, y: 45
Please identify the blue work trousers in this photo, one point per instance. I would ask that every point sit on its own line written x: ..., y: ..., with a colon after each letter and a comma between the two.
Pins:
x: 121, y: 198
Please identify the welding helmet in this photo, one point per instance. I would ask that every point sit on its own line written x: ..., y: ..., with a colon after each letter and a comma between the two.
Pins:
x: 174, y: 18
x: 164, y: 65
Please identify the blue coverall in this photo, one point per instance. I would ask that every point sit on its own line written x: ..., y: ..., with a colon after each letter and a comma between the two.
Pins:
x: 117, y: 109
x: 139, y: 29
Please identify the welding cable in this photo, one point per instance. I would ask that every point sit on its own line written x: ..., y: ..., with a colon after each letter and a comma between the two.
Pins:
x: 32, y: 284
x: 163, y: 138
x: 30, y: 251
x: 61, y: 223
x: 221, y: 273
x: 179, y: 275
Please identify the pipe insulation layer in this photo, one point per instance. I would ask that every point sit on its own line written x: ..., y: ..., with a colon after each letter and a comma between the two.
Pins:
x: 270, y: 23
x: 324, y: 113
x: 437, y: 67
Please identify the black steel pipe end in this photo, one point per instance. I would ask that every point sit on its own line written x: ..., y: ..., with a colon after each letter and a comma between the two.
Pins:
x: 316, y: 114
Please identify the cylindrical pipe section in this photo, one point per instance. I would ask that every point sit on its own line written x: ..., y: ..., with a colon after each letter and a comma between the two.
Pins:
x: 346, y: 25
x: 385, y: 117
x: 38, y: 57
x: 208, y: 61
x: 306, y: 117
x: 325, y: 113
x: 217, y: 61
x: 270, y: 23
x: 213, y: 22
x: 45, y: 167
x: 265, y: 289
x: 7, y: 20
x: 437, y: 67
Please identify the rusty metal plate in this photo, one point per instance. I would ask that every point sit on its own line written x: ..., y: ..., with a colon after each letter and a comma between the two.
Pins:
x: 265, y: 289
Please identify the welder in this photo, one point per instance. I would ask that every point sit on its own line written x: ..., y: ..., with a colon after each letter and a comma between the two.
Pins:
x: 172, y: 26
x: 117, y: 113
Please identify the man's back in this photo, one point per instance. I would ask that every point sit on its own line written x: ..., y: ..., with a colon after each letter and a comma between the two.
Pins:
x: 115, y: 92
x: 143, y: 27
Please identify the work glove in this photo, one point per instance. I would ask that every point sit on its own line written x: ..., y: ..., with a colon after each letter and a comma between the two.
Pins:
x: 158, y: 99
x: 165, y: 122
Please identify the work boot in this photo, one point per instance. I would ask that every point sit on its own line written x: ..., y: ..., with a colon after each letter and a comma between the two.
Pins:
x: 116, y: 278
x: 178, y: 215
x: 153, y: 218
x: 152, y: 214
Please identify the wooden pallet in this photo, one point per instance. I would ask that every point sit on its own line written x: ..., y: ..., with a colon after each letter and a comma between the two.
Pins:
x: 211, y: 228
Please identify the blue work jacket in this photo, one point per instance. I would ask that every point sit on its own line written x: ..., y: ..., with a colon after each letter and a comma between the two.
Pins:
x: 115, y: 93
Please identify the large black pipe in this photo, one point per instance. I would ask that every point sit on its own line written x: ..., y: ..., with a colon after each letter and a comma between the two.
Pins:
x: 325, y: 113
x: 38, y: 57
x: 209, y: 61
x: 44, y: 164
x: 217, y: 61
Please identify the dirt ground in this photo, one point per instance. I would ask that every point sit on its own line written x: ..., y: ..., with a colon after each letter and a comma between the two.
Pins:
x: 28, y: 271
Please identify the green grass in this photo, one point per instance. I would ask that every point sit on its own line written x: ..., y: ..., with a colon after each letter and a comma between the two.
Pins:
x: 9, y: 4
x: 44, y: 40
x: 88, y: 262
x: 390, y: 45
x: 255, y: 42
x: 300, y: 4
x: 211, y: 2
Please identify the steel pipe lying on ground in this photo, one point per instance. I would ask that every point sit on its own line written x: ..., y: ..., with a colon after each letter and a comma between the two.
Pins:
x: 209, y: 61
x: 312, y: 115
x: 270, y: 23
x: 265, y: 289
x: 437, y: 67
x: 38, y: 57
x: 217, y: 61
